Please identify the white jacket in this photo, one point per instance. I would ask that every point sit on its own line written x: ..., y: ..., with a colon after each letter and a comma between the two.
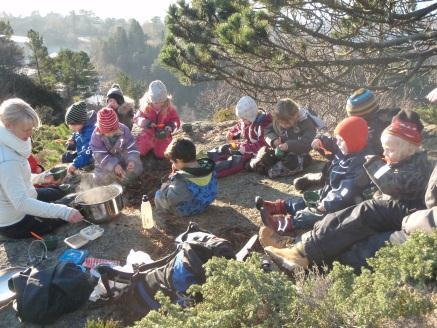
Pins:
x: 17, y: 193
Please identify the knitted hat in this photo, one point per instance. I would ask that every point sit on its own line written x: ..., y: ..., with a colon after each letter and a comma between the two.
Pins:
x: 354, y: 131
x: 361, y: 102
x: 157, y: 92
x: 76, y: 113
x: 246, y: 108
x: 107, y: 120
x: 115, y: 93
x: 406, y: 125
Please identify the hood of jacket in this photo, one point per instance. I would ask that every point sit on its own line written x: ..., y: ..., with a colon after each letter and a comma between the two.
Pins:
x: 201, y: 175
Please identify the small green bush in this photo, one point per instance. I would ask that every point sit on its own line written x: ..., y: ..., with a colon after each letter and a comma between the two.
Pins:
x: 428, y: 114
x: 49, y: 143
x: 102, y: 324
x: 223, y: 115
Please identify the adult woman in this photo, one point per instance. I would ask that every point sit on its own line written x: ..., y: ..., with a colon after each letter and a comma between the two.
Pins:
x: 22, y: 207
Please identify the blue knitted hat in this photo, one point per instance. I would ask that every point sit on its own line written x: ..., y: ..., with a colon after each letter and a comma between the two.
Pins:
x: 361, y: 102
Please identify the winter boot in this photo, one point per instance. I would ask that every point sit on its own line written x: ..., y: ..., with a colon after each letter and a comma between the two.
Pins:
x: 289, y: 258
x: 280, y: 223
x: 275, y: 207
x: 267, y: 237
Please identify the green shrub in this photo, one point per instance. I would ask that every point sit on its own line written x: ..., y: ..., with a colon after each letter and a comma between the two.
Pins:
x: 428, y: 114
x: 236, y: 294
x: 49, y: 143
x: 223, y: 115
x: 400, y: 285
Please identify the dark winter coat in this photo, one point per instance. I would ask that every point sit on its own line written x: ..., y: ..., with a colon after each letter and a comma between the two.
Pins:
x: 297, y: 138
x: 345, y: 183
x: 404, y: 181
x: 188, y: 191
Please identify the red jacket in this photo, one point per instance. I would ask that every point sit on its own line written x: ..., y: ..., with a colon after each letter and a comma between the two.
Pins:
x: 165, y: 117
x: 251, y: 136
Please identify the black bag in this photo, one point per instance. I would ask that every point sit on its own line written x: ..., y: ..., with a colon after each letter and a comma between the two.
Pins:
x: 172, y: 275
x: 43, y: 296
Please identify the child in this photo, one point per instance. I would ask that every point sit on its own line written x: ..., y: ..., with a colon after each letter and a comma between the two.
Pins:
x: 114, y: 150
x: 364, y: 104
x: 291, y: 134
x: 157, y: 119
x: 82, y: 122
x: 192, y: 186
x: 347, y: 180
x: 404, y: 170
x: 123, y: 106
x: 246, y: 138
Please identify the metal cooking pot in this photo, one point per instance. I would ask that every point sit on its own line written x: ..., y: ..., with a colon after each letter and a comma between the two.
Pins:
x: 100, y: 204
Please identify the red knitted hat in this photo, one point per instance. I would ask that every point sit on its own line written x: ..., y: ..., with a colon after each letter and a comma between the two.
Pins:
x: 354, y: 131
x: 409, y: 131
x: 107, y: 120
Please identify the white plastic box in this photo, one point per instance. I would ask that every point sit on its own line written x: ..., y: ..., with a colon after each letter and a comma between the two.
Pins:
x: 84, y: 236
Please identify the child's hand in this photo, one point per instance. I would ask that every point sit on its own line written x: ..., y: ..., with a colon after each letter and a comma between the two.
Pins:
x: 153, y: 125
x: 119, y: 171
x: 130, y: 166
x: 283, y: 147
x: 317, y: 144
x: 277, y: 142
x: 71, y: 168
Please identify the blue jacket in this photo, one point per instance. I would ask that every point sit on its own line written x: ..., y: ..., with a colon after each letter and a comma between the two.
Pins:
x: 189, y: 191
x: 346, y: 182
x: 82, y: 140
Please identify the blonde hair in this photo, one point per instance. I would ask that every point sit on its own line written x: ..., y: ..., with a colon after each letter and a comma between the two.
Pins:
x: 145, y: 102
x: 15, y: 110
x: 285, y: 110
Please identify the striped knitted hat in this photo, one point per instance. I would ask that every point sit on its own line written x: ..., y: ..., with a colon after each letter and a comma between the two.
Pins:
x: 76, y: 113
x: 361, y: 102
x: 107, y: 120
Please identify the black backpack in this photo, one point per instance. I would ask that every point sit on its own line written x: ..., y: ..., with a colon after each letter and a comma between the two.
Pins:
x: 43, y: 296
x: 172, y: 274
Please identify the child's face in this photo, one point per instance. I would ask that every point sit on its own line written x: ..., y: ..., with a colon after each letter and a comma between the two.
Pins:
x: 396, y: 149
x: 287, y: 124
x: 342, y: 145
x: 178, y: 164
x: 112, y: 103
x: 158, y: 105
x: 75, y: 127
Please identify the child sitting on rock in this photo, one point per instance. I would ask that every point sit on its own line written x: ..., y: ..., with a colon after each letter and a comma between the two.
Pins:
x: 156, y: 119
x: 290, y: 135
x: 192, y: 185
x: 82, y: 122
x: 347, y: 180
x: 122, y: 105
x: 115, y: 152
x: 245, y: 138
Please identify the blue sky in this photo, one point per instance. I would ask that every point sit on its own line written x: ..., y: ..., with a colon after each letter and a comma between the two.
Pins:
x: 141, y: 10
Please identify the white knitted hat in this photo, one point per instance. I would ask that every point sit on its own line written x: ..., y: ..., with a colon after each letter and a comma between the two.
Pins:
x: 246, y: 108
x: 157, y: 92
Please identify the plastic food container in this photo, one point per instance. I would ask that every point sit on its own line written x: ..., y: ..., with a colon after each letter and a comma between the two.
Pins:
x: 84, y: 236
x: 92, y: 232
x: 74, y: 255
